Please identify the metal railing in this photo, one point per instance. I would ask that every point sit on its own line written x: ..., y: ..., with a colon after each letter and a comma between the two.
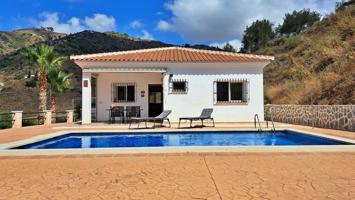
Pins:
x: 33, y: 118
x: 256, y: 120
x: 77, y: 117
x: 59, y: 117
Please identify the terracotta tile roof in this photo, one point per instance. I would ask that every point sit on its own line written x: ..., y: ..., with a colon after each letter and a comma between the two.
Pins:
x: 172, y: 54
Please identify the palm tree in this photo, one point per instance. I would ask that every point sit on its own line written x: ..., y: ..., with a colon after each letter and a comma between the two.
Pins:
x: 44, y: 59
x: 59, y: 82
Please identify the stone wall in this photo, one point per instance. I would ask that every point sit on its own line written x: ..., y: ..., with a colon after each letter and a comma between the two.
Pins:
x: 340, y: 117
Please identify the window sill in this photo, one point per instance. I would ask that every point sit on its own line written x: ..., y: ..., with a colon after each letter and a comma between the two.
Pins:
x: 178, y: 92
x: 226, y: 103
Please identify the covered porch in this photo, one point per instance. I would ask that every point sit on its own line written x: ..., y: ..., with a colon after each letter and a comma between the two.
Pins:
x: 104, y: 88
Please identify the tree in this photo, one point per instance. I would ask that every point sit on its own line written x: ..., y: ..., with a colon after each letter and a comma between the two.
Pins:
x: 59, y: 82
x: 339, y: 5
x: 298, y: 21
x: 229, y: 47
x: 257, y: 35
x: 44, y: 59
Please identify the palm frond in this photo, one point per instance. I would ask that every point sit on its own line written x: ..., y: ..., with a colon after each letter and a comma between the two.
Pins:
x: 59, y: 81
x: 43, y: 57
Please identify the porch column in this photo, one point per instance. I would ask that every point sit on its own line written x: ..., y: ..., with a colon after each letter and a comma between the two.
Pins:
x: 165, y: 89
x: 86, y: 99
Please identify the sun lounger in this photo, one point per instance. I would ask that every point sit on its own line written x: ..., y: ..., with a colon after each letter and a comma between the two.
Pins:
x: 205, y: 115
x: 158, y: 119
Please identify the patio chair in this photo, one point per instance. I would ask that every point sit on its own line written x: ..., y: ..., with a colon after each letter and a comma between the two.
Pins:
x: 205, y: 115
x: 132, y: 111
x: 158, y: 119
x: 116, y: 111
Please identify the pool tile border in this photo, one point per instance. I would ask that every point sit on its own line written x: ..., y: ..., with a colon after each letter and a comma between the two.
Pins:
x: 5, y: 150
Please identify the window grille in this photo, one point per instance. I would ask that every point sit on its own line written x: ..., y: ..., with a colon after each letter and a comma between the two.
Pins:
x: 123, y: 92
x: 178, y: 86
x: 231, y: 91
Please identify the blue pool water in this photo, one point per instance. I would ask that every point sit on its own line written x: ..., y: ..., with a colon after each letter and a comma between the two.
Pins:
x: 201, y: 138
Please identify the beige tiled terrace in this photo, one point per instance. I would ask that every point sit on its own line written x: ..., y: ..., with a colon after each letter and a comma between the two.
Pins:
x: 313, y: 175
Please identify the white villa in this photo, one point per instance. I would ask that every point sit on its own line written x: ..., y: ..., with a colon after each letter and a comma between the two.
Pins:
x: 183, y: 80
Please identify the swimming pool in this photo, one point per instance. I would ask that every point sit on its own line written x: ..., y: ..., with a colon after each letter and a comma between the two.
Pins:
x: 186, y: 138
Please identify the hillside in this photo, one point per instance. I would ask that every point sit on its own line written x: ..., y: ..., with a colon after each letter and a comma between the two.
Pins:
x: 14, y: 94
x: 14, y: 40
x: 315, y: 67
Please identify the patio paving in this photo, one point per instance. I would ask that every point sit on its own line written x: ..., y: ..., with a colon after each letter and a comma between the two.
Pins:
x: 184, y: 176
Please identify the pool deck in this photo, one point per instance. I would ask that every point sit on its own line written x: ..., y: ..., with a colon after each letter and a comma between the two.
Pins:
x: 277, y: 175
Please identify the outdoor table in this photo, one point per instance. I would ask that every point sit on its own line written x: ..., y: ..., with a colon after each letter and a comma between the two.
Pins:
x: 124, y: 114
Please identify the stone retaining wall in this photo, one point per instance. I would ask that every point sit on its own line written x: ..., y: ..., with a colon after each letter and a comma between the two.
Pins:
x: 340, y: 117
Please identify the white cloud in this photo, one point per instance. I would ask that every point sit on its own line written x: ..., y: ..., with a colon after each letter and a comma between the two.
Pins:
x: 52, y: 20
x: 136, y: 24
x: 146, y: 35
x: 222, y: 20
x: 235, y: 43
x: 164, y: 26
x: 98, y: 22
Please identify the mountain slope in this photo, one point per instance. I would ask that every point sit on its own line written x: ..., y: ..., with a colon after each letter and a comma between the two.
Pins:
x: 14, y: 68
x: 14, y: 40
x: 315, y: 67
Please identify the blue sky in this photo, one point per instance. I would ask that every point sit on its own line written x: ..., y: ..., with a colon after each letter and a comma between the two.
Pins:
x: 174, y: 21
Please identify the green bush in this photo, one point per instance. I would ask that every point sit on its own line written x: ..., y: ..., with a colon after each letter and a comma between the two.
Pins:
x: 29, y: 122
x: 31, y: 83
x: 60, y: 119
x: 19, y: 76
x: 301, y: 73
x: 5, y: 120
x: 292, y: 41
x: 77, y: 110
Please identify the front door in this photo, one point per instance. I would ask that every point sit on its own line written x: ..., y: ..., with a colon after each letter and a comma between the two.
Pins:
x: 155, y: 100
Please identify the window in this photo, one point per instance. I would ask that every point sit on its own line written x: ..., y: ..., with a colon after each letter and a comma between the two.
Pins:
x: 231, y: 91
x: 236, y: 91
x: 123, y: 92
x: 178, y: 86
x: 222, y: 91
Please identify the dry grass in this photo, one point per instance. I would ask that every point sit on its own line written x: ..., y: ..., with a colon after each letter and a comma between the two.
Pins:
x: 319, y: 67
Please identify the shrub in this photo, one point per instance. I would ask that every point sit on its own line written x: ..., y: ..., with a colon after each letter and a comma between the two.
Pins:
x: 19, y: 76
x: 29, y: 122
x: 31, y: 83
x: 5, y: 120
x: 292, y: 41
x: 77, y: 110
x: 60, y: 119
x: 301, y: 73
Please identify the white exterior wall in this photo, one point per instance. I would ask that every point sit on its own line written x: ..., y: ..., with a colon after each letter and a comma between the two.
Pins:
x: 104, y: 100
x: 201, y: 93
x: 200, y: 77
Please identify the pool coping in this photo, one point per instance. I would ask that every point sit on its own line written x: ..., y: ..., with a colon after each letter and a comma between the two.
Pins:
x: 5, y: 149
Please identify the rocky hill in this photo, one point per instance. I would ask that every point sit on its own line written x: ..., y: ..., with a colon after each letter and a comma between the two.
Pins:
x: 14, y: 40
x: 15, y: 71
x: 315, y: 67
